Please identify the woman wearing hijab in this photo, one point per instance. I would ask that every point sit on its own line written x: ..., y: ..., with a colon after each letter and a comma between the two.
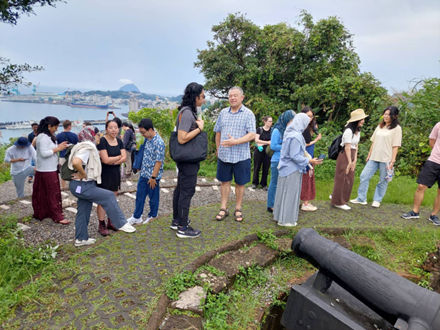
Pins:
x: 275, y: 145
x: 293, y: 163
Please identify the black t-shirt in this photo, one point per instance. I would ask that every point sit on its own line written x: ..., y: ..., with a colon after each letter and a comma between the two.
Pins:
x: 307, y: 136
x: 112, y: 151
x: 264, y: 135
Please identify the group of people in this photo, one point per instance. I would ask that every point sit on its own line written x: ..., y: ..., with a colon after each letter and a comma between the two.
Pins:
x: 97, y: 177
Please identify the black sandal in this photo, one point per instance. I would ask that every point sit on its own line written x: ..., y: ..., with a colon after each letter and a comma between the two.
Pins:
x: 238, y: 216
x: 222, y: 217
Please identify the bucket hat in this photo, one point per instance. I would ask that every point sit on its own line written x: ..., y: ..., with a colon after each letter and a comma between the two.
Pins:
x: 22, y: 142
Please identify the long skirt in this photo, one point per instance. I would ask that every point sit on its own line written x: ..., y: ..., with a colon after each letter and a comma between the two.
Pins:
x: 308, y: 189
x: 343, y: 183
x: 287, y: 198
x: 46, y: 196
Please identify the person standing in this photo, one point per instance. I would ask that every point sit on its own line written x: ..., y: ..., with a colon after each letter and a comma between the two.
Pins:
x: 188, y: 127
x: 276, y: 144
x: 235, y: 128
x: 151, y: 172
x: 46, y: 195
x: 346, y: 161
x: 129, y: 145
x: 20, y: 156
x: 112, y: 153
x: 293, y: 163
x: 429, y: 175
x: 70, y: 138
x: 32, y: 135
x: 84, y: 158
x: 308, y: 190
x: 387, y: 138
x: 262, y: 140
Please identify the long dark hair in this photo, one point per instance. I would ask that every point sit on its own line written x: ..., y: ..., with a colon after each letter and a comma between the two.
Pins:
x: 192, y: 91
x: 394, y: 113
x: 354, y: 126
x: 43, y: 127
x: 130, y: 126
x: 313, y: 122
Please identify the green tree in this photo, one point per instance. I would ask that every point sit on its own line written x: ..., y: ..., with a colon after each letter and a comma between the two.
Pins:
x: 12, y: 75
x: 163, y: 120
x: 281, y: 67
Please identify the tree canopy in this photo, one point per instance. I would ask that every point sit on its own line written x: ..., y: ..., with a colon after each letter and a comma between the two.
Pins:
x: 281, y: 67
x: 10, y: 10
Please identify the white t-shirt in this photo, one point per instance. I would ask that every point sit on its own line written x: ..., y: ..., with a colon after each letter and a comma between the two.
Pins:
x: 435, y: 152
x: 47, y: 160
x: 348, y: 137
x: 85, y: 158
x: 384, y: 140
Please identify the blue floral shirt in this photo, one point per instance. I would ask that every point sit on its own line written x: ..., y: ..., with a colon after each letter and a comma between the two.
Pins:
x: 154, y: 152
x: 236, y: 125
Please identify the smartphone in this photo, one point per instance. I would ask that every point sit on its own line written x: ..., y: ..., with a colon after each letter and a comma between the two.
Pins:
x: 321, y: 156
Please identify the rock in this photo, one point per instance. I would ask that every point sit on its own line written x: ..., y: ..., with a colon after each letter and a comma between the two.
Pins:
x: 341, y: 241
x: 362, y: 241
x: 67, y: 202
x: 22, y: 227
x: 182, y: 322
x: 130, y: 195
x: 190, y: 300
x: 4, y: 207
x: 215, y: 283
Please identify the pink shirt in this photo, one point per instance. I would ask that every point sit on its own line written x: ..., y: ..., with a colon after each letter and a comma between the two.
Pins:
x: 435, y: 153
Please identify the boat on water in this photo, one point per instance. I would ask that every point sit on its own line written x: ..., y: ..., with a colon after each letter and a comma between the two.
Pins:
x: 93, y: 106
x: 20, y: 125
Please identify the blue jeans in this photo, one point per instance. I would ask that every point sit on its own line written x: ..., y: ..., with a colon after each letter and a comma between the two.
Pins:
x: 370, y: 168
x: 144, y: 190
x: 273, y: 184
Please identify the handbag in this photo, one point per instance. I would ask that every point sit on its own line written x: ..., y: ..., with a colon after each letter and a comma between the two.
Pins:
x: 193, y: 151
x: 269, y: 151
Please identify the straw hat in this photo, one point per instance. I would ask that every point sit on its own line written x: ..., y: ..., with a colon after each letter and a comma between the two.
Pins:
x: 356, y: 115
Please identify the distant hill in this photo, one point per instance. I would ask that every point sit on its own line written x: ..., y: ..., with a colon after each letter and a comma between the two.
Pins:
x: 129, y: 88
x: 176, y: 98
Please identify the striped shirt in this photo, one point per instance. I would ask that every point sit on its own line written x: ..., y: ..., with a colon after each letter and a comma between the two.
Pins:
x: 236, y: 125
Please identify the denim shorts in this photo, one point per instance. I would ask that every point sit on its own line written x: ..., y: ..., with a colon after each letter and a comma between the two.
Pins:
x: 240, y: 170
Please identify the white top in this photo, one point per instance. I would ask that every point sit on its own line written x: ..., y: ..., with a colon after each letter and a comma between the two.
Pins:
x: 384, y: 140
x: 87, y: 152
x: 27, y: 153
x: 348, y: 137
x: 47, y: 160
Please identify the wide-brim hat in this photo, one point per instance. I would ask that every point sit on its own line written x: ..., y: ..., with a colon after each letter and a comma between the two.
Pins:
x: 357, y: 115
x: 22, y: 142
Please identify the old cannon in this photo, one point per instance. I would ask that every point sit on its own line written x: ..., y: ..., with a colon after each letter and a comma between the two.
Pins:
x: 350, y: 292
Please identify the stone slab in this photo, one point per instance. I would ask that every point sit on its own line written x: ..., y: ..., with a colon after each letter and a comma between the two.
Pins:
x: 4, y: 207
x: 130, y: 195
x: 182, y: 322
x: 198, y: 189
x: 190, y: 300
x: 215, y: 283
x: 128, y: 183
x: 25, y: 202
x: 215, y: 188
x: 166, y: 191
x: 64, y: 194
x: 72, y: 209
x: 22, y: 227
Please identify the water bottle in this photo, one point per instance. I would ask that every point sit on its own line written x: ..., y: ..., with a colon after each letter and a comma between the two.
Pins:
x: 390, y: 173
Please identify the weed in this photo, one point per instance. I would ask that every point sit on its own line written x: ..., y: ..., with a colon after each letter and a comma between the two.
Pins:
x: 180, y: 283
x: 269, y: 239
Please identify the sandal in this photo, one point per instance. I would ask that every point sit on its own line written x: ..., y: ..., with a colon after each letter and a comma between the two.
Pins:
x: 238, y: 216
x: 222, y: 216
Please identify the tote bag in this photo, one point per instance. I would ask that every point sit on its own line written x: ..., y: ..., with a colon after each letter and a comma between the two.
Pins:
x: 193, y: 151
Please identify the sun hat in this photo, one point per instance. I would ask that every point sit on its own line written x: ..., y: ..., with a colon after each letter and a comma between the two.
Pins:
x: 356, y: 115
x: 22, y: 142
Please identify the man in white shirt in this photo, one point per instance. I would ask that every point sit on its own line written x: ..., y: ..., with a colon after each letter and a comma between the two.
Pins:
x: 20, y: 156
x: 84, y: 158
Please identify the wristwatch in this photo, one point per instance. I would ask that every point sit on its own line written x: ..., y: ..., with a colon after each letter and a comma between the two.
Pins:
x: 153, y: 177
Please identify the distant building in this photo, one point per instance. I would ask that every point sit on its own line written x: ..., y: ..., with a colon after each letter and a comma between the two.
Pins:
x: 133, y: 104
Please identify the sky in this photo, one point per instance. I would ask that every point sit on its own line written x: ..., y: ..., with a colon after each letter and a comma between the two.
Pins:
x: 101, y: 44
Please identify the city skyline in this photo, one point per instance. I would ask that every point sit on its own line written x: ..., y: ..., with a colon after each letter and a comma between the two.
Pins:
x: 100, y: 46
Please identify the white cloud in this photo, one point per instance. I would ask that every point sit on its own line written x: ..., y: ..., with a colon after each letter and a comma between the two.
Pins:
x: 125, y: 81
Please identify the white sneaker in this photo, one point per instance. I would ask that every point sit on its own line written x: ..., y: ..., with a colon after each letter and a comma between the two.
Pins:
x: 134, y: 221
x: 308, y: 207
x: 375, y: 204
x: 90, y: 241
x: 356, y: 201
x: 343, y: 207
x: 287, y: 224
x: 147, y: 221
x: 128, y: 228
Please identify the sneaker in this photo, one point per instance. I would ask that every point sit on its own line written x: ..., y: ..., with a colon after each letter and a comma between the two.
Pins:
x: 330, y: 197
x: 410, y: 215
x: 375, y: 204
x: 188, y: 232
x: 134, y: 221
x: 254, y: 186
x: 175, y: 224
x: 356, y: 201
x: 343, y: 207
x: 308, y: 207
x: 90, y: 241
x: 127, y: 228
x: 265, y: 188
x: 148, y: 220
x: 434, y: 219
x: 287, y: 224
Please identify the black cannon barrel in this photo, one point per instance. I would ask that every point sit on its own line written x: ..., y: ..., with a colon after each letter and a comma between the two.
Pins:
x: 388, y: 294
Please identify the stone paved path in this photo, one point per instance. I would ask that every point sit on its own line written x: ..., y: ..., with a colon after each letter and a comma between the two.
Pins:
x: 116, y: 283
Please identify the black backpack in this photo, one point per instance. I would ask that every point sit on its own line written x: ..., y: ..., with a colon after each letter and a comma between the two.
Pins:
x: 335, y: 148
x: 66, y: 172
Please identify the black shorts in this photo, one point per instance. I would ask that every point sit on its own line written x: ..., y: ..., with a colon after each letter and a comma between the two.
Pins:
x: 430, y: 174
